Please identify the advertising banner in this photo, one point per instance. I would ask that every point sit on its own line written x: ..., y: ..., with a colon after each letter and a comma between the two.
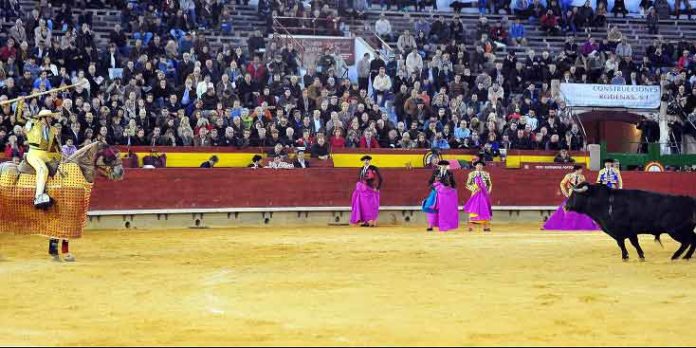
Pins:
x: 611, y: 96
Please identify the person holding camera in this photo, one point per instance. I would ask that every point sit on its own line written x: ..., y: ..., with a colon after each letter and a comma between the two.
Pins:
x: 650, y: 133
x: 676, y: 130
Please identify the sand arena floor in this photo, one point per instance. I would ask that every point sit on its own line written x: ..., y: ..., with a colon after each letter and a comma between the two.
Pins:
x: 344, y: 286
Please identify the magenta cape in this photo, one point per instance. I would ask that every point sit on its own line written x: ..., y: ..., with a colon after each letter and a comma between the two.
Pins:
x: 446, y: 216
x: 569, y: 221
x: 479, y: 205
x: 365, y: 204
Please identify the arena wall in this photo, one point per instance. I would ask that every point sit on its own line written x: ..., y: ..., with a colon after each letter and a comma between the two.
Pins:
x: 174, y: 197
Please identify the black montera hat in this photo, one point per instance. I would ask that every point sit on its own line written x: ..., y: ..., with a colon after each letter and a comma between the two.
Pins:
x: 366, y: 157
x: 443, y: 163
x: 479, y: 162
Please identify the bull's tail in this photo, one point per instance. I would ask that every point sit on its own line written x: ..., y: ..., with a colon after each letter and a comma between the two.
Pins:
x: 693, y: 215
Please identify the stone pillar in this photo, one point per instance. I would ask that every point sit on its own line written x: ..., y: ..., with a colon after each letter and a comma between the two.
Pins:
x: 662, y: 120
x: 664, y: 129
x: 595, y: 156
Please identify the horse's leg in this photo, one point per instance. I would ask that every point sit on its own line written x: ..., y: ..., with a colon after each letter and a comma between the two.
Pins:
x: 65, y: 249
x: 53, y: 249
x: 634, y: 241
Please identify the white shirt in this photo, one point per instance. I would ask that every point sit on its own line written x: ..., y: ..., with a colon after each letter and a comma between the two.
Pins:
x: 383, y: 27
x: 317, y: 124
x: 414, y: 62
x: 202, y: 87
x: 533, y: 122
x: 364, y: 171
x: 382, y: 83
x: 280, y: 165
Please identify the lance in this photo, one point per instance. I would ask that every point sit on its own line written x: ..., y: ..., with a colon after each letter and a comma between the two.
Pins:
x: 55, y: 90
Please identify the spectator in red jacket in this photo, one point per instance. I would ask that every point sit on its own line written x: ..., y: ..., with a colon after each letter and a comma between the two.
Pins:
x: 337, y: 140
x: 9, y: 50
x: 368, y: 141
x: 683, y: 61
x: 12, y: 149
x: 257, y: 70
x: 499, y: 33
x: 306, y: 140
x: 549, y: 23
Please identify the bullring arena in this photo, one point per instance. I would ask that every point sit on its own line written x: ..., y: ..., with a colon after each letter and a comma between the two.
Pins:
x: 347, y: 172
x: 344, y: 286
x: 308, y: 278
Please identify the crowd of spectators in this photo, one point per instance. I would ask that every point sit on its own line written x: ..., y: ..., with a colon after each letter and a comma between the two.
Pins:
x: 159, y: 82
x: 441, y: 53
x: 557, y: 18
x: 319, y: 18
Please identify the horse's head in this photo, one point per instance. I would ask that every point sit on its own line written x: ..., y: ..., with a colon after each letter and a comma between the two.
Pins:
x: 108, y: 162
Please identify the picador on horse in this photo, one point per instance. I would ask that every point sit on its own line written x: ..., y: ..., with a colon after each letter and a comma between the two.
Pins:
x: 44, y: 150
x: 63, y: 216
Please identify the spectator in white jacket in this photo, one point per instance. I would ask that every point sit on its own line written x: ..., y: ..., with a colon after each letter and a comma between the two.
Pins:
x: 203, y: 86
x: 381, y: 86
x: 611, y: 64
x: 383, y: 28
x: 414, y: 63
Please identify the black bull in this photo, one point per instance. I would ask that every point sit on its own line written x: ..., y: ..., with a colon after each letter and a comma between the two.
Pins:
x: 624, y: 214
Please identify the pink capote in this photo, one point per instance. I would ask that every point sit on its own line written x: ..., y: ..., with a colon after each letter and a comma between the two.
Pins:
x: 479, y: 205
x: 365, y: 204
x: 447, y: 216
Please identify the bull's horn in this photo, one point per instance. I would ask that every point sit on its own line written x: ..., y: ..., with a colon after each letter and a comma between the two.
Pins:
x: 581, y: 189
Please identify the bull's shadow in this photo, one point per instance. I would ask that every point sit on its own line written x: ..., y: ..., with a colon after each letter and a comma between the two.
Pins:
x: 624, y: 214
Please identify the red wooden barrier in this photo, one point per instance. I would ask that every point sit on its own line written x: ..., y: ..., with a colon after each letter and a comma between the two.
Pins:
x: 231, y: 187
